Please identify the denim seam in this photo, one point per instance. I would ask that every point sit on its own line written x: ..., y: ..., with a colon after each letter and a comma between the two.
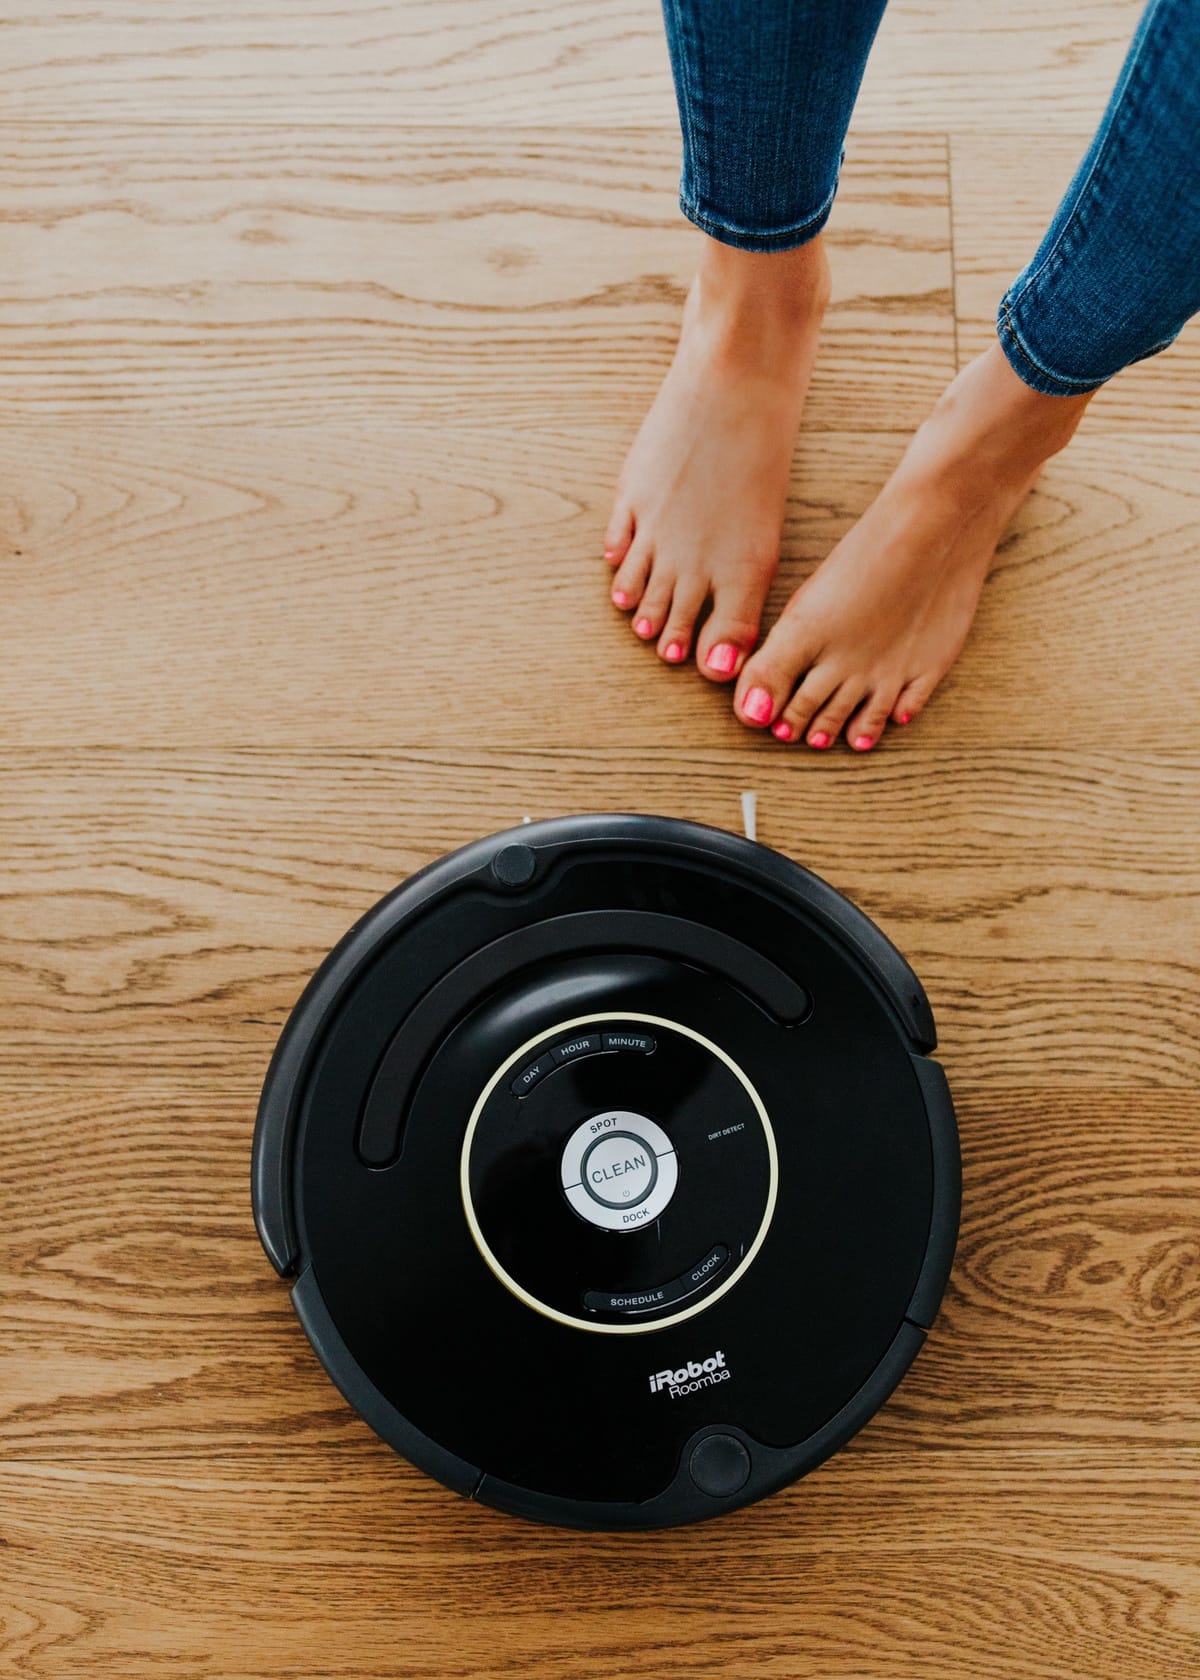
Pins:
x: 1135, y: 76
x: 1008, y: 326
x: 692, y: 147
x: 797, y: 231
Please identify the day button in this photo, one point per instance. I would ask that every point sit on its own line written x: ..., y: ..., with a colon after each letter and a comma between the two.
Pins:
x: 528, y: 1077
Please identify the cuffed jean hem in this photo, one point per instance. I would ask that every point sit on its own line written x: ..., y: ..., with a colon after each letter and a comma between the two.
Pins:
x: 749, y: 239
x: 1026, y: 365
x: 1036, y: 374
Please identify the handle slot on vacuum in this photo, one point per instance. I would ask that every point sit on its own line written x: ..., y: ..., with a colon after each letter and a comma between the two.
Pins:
x: 591, y: 931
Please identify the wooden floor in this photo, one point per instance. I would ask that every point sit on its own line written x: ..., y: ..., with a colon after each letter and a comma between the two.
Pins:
x: 324, y: 327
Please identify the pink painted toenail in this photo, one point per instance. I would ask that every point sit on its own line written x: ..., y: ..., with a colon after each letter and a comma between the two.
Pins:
x: 643, y: 627
x: 862, y: 743
x: 673, y: 652
x: 905, y: 717
x: 620, y: 599
x: 722, y: 658
x: 758, y: 705
x: 783, y: 731
x: 610, y: 554
x: 818, y: 739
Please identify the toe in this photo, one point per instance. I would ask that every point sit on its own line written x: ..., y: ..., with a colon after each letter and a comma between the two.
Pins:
x: 723, y: 646
x: 913, y: 699
x: 870, y: 720
x: 816, y: 687
x: 632, y: 574
x: 732, y: 627
x: 778, y: 665
x: 675, y: 641
x: 756, y: 706
x: 830, y: 718
x: 654, y: 606
x: 618, y: 533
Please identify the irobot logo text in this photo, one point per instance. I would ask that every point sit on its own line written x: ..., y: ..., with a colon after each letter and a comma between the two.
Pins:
x: 688, y: 1378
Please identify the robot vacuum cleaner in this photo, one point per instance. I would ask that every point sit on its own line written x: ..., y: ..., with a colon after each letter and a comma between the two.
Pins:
x: 615, y: 1180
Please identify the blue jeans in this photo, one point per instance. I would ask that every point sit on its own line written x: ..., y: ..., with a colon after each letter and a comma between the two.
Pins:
x: 766, y: 89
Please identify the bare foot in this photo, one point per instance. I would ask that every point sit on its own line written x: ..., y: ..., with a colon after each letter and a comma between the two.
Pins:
x: 701, y: 497
x: 869, y: 636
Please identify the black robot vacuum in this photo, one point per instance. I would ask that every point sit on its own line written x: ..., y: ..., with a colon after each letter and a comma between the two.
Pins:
x: 614, y: 1176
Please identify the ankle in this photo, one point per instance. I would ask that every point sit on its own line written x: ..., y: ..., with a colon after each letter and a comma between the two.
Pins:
x: 760, y: 303
x: 989, y: 429
x: 1000, y: 418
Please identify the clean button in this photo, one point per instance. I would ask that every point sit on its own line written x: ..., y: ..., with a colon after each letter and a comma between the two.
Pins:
x: 619, y: 1169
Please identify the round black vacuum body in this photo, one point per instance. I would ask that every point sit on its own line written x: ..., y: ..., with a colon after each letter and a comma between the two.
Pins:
x: 616, y: 1181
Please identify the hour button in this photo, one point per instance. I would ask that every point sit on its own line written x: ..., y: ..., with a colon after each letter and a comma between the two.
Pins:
x: 571, y: 1049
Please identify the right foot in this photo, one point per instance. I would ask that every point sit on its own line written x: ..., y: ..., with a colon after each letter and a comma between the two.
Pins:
x: 700, y: 500
x: 871, y: 633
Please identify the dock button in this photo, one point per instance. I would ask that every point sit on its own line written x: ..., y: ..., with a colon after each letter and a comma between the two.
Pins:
x: 571, y: 1049
x: 528, y: 1077
x: 641, y: 1042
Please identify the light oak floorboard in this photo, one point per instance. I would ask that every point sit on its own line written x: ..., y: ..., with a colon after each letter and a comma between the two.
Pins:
x: 937, y: 64
x: 170, y: 906
x: 357, y: 587
x: 353, y: 1575
x: 525, y: 279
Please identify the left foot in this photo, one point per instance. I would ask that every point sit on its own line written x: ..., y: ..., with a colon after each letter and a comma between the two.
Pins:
x: 701, y: 497
x: 870, y: 635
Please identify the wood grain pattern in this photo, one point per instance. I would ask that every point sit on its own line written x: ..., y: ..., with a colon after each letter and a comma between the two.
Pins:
x: 1006, y: 190
x: 325, y: 328
x: 174, y: 1344
x: 1049, y: 900
x: 319, y: 585
x: 415, y: 277
x: 937, y: 64
x: 330, y: 1583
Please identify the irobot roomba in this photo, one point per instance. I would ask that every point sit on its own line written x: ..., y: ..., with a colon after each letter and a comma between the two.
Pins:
x: 615, y: 1178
